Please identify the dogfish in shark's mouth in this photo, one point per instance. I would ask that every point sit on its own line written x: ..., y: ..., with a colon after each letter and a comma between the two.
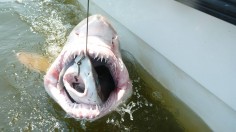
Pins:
x: 89, y: 85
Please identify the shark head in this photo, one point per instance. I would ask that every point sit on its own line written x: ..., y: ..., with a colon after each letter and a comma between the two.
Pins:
x: 89, y: 84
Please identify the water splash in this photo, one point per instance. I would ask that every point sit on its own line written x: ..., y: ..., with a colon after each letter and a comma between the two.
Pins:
x: 127, y: 108
x: 137, y: 103
x: 50, y: 18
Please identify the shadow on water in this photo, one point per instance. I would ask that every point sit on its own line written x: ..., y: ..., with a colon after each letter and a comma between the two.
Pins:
x: 42, y: 26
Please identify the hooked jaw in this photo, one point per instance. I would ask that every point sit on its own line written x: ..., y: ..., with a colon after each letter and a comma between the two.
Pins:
x: 91, y: 99
x: 102, y: 82
x: 81, y: 82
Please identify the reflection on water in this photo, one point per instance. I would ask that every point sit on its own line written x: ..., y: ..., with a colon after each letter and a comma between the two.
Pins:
x: 41, y: 26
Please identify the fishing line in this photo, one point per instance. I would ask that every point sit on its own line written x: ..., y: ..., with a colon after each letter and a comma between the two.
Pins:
x: 86, y: 42
x: 87, y: 28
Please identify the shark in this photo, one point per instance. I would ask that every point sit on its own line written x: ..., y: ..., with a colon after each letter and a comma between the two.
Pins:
x: 88, y: 82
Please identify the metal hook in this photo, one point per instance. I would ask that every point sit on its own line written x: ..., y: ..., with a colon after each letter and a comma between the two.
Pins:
x: 79, y: 63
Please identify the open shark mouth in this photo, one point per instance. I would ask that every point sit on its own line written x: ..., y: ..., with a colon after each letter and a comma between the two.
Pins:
x: 91, y: 84
x: 105, y: 70
x: 112, y: 77
x: 104, y: 78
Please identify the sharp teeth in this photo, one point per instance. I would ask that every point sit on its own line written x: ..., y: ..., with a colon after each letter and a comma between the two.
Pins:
x: 91, y: 116
x: 106, y: 60
x: 96, y: 55
x: 78, y: 53
x: 101, y: 58
x: 96, y: 107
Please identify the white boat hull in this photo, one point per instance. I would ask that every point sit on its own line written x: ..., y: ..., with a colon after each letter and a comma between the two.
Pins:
x: 190, y: 53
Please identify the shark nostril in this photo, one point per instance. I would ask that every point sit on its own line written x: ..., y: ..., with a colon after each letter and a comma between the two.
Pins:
x: 78, y: 87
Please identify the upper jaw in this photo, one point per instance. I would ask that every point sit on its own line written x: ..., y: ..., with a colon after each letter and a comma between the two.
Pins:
x: 97, y: 50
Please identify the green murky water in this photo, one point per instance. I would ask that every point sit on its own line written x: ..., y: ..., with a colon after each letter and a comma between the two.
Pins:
x: 41, y: 26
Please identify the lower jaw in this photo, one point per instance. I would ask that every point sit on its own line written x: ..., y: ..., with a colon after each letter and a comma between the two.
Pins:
x: 102, y: 110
